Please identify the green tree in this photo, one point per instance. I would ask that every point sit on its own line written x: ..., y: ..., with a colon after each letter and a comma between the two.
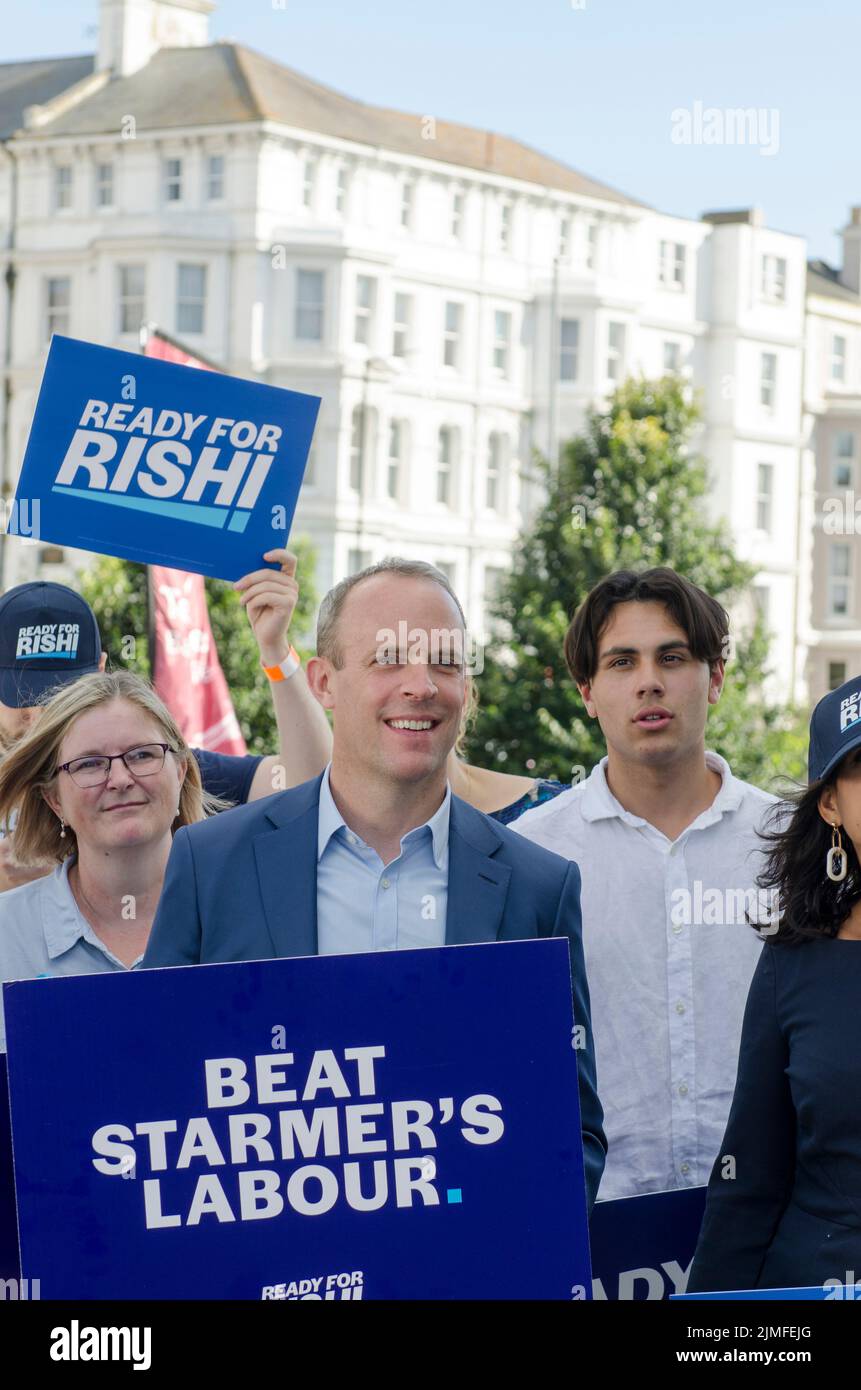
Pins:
x: 116, y: 591
x: 627, y: 494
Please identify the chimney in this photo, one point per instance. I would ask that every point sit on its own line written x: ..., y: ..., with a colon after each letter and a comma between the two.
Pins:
x: 131, y: 31
x: 850, y: 275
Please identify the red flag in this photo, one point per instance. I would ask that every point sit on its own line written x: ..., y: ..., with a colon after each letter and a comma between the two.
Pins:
x: 186, y: 671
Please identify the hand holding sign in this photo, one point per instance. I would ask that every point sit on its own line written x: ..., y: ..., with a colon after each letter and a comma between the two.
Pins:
x: 186, y: 453
x: 269, y: 598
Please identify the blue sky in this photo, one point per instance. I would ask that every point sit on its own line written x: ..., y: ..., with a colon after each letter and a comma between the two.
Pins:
x: 593, y: 82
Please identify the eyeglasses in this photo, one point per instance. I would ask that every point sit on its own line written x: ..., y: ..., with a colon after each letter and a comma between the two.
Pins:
x: 144, y: 761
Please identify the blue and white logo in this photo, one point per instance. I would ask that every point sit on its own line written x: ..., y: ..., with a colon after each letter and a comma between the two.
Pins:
x: 145, y: 459
x: 59, y: 640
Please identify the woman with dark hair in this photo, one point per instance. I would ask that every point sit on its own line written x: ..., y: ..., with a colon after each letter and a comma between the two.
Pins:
x: 784, y: 1199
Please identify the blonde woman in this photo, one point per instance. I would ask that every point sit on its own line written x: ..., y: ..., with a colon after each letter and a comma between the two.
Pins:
x: 100, y: 783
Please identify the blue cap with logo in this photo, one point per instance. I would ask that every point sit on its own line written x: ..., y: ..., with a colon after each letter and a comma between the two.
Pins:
x: 48, y: 637
x: 835, y: 728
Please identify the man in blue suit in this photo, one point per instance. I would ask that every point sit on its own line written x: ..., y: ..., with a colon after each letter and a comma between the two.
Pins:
x: 376, y: 854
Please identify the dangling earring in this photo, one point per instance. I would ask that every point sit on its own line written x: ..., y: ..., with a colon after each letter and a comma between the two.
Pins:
x: 835, y: 860
x: 62, y: 829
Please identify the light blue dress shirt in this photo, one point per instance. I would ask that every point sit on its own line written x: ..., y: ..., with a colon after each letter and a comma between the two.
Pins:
x: 365, y: 905
x: 43, y: 933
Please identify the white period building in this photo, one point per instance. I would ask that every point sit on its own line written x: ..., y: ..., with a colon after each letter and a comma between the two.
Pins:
x: 456, y: 299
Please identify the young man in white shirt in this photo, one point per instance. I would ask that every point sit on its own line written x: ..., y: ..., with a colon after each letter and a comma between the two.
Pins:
x: 666, y: 841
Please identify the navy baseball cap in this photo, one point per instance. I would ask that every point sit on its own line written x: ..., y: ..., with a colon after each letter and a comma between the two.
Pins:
x: 48, y: 637
x: 835, y: 728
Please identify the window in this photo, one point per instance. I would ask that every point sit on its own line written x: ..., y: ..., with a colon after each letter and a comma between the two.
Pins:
x: 173, y: 180
x: 357, y: 449
x: 564, y: 247
x: 493, y: 476
x: 215, y: 177
x: 671, y: 264
x: 672, y: 356
x: 132, y: 297
x: 309, y: 179
x: 407, y: 208
x: 104, y: 185
x: 401, y: 325
x: 452, y: 334
x: 837, y: 367
x: 445, y: 461
x: 569, y: 348
x: 309, y: 305
x: 615, y: 351
x: 63, y: 182
x: 505, y: 215
x: 836, y: 674
x: 342, y: 187
x: 762, y: 599
x: 773, y: 279
x: 768, y: 379
x: 456, y: 225
x: 58, y: 299
x: 501, y: 341
x: 365, y: 297
x: 358, y: 560
x: 494, y: 578
x: 396, y: 456
x: 591, y: 245
x: 839, y: 579
x: 764, y: 494
x: 844, y: 459
x: 190, y: 298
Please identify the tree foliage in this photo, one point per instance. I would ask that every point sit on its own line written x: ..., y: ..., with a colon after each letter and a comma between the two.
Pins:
x: 628, y: 494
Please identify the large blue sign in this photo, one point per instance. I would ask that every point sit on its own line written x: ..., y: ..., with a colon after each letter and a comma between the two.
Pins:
x: 389, y: 1125
x: 154, y: 462
x: 643, y: 1247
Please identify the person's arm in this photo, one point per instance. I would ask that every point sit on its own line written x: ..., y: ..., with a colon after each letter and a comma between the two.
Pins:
x: 569, y: 923
x: 305, y: 740
x: 752, y: 1177
x: 175, y: 935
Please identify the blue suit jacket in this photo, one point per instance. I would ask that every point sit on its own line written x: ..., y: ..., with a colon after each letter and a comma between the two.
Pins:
x: 243, y: 886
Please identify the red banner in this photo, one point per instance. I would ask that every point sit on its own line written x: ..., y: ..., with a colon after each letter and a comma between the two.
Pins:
x: 186, y: 671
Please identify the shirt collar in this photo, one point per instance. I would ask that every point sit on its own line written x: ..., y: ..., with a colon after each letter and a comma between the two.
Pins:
x: 63, y: 922
x: 330, y: 821
x: 599, y: 803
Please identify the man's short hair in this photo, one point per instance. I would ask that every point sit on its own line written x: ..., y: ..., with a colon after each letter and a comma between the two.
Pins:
x: 330, y: 609
x: 704, y: 621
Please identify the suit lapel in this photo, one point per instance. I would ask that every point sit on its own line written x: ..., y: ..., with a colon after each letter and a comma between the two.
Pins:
x: 286, y: 859
x: 477, y: 883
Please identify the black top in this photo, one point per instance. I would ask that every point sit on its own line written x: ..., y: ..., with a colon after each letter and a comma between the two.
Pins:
x: 227, y: 776
x: 784, y: 1199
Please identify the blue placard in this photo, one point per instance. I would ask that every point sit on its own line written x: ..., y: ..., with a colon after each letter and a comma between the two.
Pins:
x: 8, y: 1229
x: 159, y: 463
x: 643, y: 1247
x: 410, y: 1128
x: 811, y: 1294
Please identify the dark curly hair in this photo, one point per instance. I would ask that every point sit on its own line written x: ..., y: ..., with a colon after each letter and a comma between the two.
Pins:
x: 811, y: 906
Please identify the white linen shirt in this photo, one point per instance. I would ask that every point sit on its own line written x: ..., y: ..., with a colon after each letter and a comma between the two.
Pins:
x: 668, y: 973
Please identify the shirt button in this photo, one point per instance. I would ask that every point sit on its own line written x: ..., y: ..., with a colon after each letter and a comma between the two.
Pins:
x: 683, y: 1090
x: 677, y: 927
x: 351, y: 838
x: 385, y: 882
x: 680, y: 1008
x: 685, y: 1168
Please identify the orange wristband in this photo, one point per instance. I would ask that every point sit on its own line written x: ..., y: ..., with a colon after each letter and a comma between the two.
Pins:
x: 285, y: 669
